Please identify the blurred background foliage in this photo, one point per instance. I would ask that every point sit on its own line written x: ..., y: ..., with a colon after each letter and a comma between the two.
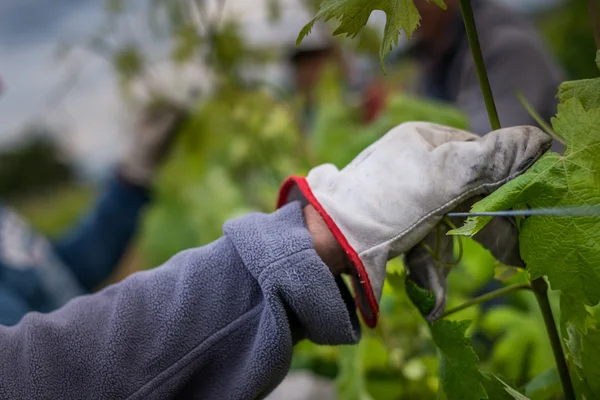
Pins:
x: 243, y: 137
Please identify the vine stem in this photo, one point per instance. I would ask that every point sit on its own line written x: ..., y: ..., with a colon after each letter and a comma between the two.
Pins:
x: 593, y: 4
x: 469, y: 20
x: 539, y: 285
x: 540, y: 289
x: 487, y: 297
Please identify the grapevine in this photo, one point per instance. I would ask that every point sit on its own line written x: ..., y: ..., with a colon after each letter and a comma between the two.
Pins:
x: 569, y: 180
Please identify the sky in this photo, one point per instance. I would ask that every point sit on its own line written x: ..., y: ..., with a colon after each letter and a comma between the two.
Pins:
x: 92, y: 119
x: 31, y: 32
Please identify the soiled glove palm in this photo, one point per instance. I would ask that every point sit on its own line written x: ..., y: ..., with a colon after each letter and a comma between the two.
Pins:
x: 391, y: 196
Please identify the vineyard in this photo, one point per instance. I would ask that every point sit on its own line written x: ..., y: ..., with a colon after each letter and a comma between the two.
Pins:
x: 526, y: 331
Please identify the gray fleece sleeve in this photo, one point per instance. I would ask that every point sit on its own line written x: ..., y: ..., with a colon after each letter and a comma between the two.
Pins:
x: 216, y: 322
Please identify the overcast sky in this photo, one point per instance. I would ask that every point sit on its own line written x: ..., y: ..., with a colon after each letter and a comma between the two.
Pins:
x: 91, y: 116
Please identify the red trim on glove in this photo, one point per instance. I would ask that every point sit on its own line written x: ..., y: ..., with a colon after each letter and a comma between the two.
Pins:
x: 363, y: 278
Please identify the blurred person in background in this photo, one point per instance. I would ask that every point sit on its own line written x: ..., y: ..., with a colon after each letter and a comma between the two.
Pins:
x: 37, y: 274
x: 309, y: 62
x: 515, y: 57
x: 319, y: 51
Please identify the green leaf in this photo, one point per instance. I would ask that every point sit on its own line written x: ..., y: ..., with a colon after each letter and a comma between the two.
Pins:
x: 185, y: 44
x: 404, y: 108
x: 544, y: 386
x: 351, y: 384
x: 128, y: 62
x: 521, y: 346
x: 583, y: 349
x: 459, y: 376
x: 572, y: 310
x: 495, y: 389
x: 395, y: 276
x: 566, y: 249
x: 513, y: 392
x: 598, y: 58
x: 505, y: 273
x: 423, y: 299
x: 353, y: 15
x: 585, y: 90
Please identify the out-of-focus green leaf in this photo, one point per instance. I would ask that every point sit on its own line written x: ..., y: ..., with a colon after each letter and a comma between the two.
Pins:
x: 515, y: 394
x: 582, y: 346
x: 186, y: 44
x: 460, y: 377
x: 505, y: 273
x: 495, y: 389
x: 545, y: 386
x: 128, y: 62
x: 404, y: 108
x: 351, y: 382
x: 520, y: 340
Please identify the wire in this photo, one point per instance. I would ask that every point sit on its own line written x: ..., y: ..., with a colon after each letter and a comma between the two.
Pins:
x: 575, y: 211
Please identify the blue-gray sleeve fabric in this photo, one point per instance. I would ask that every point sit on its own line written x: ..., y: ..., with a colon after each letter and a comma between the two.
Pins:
x: 216, y: 322
x: 94, y: 247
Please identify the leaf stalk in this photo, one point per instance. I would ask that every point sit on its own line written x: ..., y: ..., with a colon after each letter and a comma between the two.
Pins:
x: 467, y: 13
x: 487, y: 297
x: 540, y: 289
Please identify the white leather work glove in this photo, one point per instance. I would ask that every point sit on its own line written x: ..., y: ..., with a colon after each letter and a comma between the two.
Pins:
x: 153, y: 135
x: 391, y: 196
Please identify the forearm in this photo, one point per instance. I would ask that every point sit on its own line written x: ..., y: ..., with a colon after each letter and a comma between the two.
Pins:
x: 213, y: 322
x: 96, y: 245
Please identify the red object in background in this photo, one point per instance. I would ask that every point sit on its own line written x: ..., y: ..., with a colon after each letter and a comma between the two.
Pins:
x: 374, y: 101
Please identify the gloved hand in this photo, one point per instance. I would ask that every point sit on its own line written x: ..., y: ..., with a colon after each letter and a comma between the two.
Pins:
x: 153, y: 135
x: 391, y: 196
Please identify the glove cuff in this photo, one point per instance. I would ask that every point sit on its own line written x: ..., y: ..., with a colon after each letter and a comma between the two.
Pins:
x: 296, y: 188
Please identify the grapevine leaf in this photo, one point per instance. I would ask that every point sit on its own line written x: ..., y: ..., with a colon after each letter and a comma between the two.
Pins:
x: 423, y: 299
x: 186, y: 42
x: 460, y: 378
x: 495, y: 389
x: 128, y: 62
x: 505, y: 273
x: 519, y: 340
x: 351, y: 383
x: 571, y: 261
x: 395, y: 275
x: 583, y: 350
x: 353, y: 15
x: 572, y: 310
x: 586, y: 90
x: 513, y: 392
x: 544, y: 386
